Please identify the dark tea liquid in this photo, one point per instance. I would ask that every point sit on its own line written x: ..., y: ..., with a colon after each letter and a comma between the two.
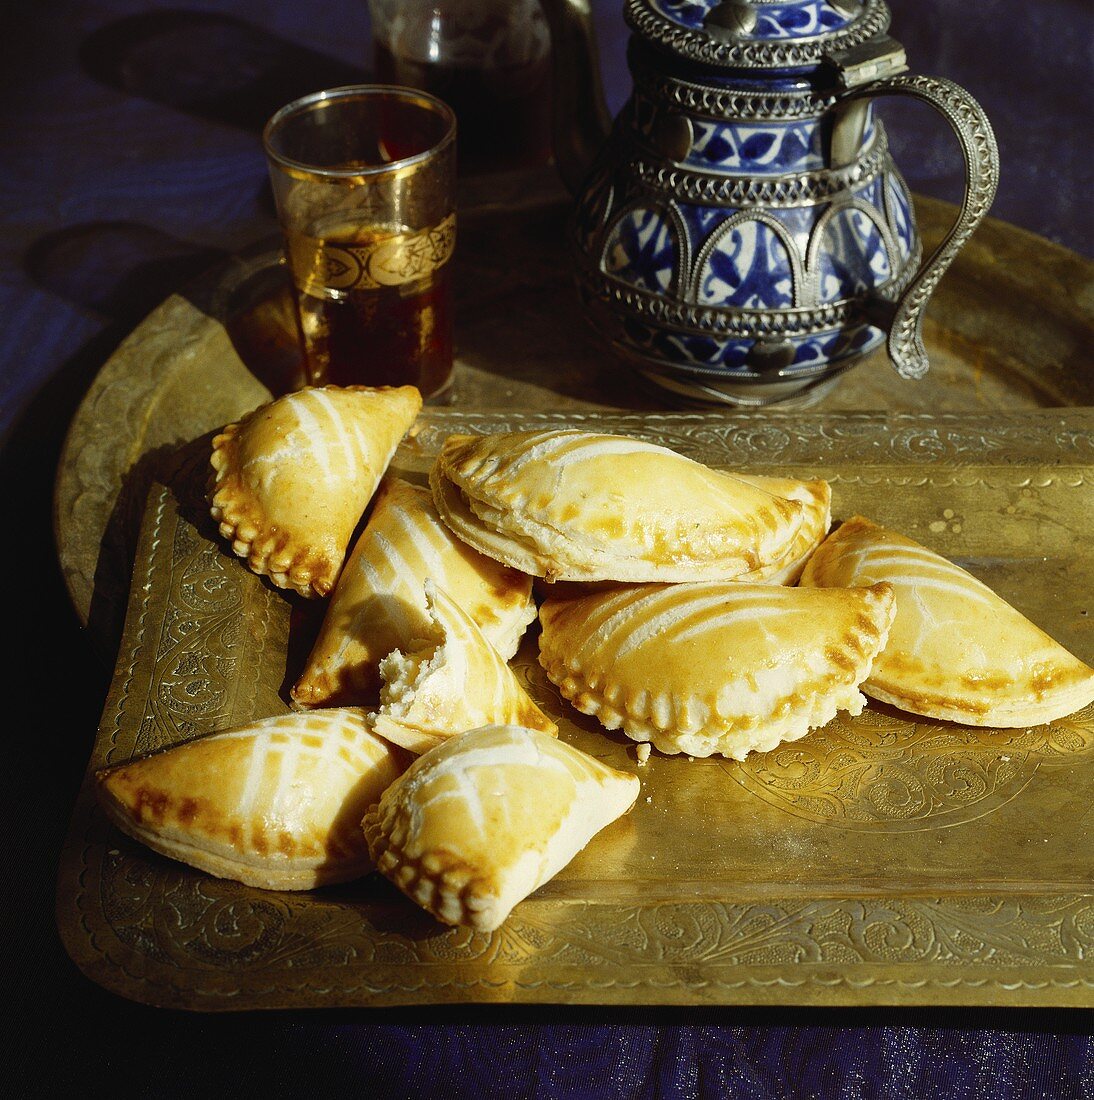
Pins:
x: 503, y: 113
x: 378, y: 336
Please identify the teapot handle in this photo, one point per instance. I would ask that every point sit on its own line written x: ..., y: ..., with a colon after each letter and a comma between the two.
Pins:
x: 903, y: 313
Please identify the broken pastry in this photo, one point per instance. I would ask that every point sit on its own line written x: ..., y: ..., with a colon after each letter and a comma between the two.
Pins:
x: 478, y: 823
x: 276, y: 803
x: 574, y: 506
x: 379, y: 603
x: 816, y: 499
x: 956, y: 650
x: 708, y: 668
x: 292, y: 479
x: 452, y: 682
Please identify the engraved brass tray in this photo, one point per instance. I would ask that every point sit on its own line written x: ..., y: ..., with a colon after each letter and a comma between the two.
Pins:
x: 881, y: 860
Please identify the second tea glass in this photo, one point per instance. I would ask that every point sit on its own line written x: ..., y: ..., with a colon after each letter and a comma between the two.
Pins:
x: 364, y: 180
x: 489, y: 59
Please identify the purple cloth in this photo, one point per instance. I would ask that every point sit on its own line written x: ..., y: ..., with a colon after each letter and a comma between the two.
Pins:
x: 126, y: 170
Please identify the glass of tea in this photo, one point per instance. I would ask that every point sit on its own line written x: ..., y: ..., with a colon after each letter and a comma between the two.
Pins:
x: 490, y: 60
x: 364, y: 179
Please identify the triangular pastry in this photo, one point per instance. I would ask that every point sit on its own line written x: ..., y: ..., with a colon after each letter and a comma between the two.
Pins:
x: 292, y: 479
x: 453, y: 681
x: 478, y: 823
x: 276, y: 803
x: 957, y: 650
x: 575, y: 506
x: 816, y: 500
x: 379, y: 602
x: 716, y: 667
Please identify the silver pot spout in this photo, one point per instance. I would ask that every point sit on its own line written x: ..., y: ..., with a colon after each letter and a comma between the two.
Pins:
x: 581, y: 121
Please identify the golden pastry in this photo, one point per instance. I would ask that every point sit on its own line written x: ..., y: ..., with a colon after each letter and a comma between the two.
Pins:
x: 571, y: 505
x: 276, y: 803
x: 957, y: 650
x: 478, y: 823
x: 717, y: 667
x: 292, y: 479
x: 455, y: 681
x: 816, y: 499
x: 379, y: 602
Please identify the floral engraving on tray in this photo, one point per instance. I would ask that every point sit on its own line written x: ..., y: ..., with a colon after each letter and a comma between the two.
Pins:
x: 848, y: 440
x: 962, y: 930
x: 197, y: 670
x: 890, y: 773
x: 235, y: 935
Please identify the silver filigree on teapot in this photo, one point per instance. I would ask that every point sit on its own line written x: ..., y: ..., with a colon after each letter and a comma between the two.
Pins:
x: 742, y: 234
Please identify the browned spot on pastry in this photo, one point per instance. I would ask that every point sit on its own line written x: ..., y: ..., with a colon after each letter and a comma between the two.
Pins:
x: 611, y: 526
x: 984, y: 681
x: 188, y: 810
x: 899, y: 663
x: 1045, y: 679
x: 839, y: 658
x: 915, y: 700
x: 150, y: 804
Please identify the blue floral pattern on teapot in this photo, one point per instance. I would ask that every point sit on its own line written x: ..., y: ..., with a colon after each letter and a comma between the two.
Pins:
x: 753, y: 256
x: 744, y: 224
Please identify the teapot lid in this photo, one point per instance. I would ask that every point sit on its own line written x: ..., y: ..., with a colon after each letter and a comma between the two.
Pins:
x: 757, y: 34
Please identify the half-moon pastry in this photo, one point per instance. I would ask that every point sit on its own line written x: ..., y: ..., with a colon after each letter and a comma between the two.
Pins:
x: 478, y: 823
x: 276, y: 803
x: 453, y: 682
x: 718, y: 667
x: 292, y: 479
x: 956, y: 650
x: 816, y: 500
x: 575, y: 506
x: 379, y: 604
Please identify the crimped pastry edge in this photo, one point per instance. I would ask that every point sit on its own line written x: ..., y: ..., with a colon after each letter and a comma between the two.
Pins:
x: 1008, y: 715
x: 735, y: 744
x: 449, y: 899
x: 456, y: 513
x: 788, y: 570
x: 257, y: 549
x: 245, y: 533
x: 294, y: 874
x: 612, y: 709
x: 455, y: 510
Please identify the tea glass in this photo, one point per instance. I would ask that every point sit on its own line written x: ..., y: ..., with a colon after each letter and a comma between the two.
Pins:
x: 364, y: 181
x: 490, y: 60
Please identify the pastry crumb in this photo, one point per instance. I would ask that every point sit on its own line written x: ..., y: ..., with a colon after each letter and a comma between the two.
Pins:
x: 643, y: 754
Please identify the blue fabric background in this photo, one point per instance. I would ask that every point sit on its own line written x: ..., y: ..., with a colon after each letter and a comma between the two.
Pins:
x: 109, y: 201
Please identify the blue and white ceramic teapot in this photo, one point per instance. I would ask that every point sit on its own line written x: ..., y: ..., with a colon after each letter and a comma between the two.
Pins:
x: 742, y: 234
